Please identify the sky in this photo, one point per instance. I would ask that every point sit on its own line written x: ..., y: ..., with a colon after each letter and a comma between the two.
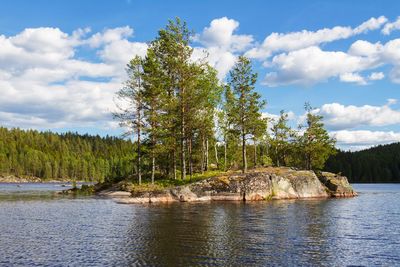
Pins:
x: 61, y: 62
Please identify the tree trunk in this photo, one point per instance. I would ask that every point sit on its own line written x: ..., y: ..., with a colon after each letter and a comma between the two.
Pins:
x: 216, y: 154
x: 139, y: 126
x: 255, y: 153
x: 153, y: 168
x: 190, y: 158
x: 277, y: 156
x: 183, y: 147
x: 139, y: 171
x: 174, y: 163
x: 207, y: 159
x: 244, y: 160
x: 202, y: 154
x: 225, y: 146
x: 153, y: 159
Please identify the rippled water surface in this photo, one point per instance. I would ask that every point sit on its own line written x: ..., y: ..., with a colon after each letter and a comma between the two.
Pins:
x: 40, y: 229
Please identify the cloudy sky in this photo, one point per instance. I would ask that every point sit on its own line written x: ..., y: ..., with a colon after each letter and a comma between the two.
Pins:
x: 61, y: 62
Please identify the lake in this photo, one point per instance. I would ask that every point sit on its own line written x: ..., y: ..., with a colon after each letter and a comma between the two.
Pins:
x: 38, y: 228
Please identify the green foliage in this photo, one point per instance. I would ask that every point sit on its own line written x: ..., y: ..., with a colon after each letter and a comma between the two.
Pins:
x: 64, y: 156
x: 315, y: 146
x: 280, y: 142
x: 130, y: 111
x: 178, y: 98
x: 243, y: 104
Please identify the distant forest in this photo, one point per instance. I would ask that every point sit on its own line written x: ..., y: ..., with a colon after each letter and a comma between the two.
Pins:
x: 379, y: 164
x: 64, y: 156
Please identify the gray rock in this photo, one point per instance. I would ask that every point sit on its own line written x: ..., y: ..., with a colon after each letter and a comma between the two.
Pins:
x: 261, y: 184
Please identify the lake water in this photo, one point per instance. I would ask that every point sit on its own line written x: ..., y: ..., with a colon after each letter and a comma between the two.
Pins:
x: 40, y: 229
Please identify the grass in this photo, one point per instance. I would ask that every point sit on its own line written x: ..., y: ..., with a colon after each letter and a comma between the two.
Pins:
x: 161, y: 184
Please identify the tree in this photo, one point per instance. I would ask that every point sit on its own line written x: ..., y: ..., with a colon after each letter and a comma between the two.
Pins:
x: 258, y: 129
x: 154, y: 99
x: 130, y: 112
x: 280, y: 141
x: 315, y: 144
x: 173, y: 53
x: 244, y: 104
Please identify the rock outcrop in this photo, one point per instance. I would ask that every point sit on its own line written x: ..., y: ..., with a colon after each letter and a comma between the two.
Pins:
x: 262, y: 184
x: 337, y: 185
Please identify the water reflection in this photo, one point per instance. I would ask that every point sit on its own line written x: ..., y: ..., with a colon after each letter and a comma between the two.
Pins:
x: 281, y: 232
x: 99, y: 232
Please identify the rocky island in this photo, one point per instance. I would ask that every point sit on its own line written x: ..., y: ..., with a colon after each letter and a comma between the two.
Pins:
x: 257, y: 185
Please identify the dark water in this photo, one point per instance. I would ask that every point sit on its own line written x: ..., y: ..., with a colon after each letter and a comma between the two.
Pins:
x: 54, y: 231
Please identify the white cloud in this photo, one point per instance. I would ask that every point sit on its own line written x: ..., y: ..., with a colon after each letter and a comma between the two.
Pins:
x: 370, y: 25
x: 361, y: 139
x: 311, y: 65
x: 352, y: 78
x: 44, y: 84
x: 365, y: 49
x: 391, y: 26
x: 297, y: 58
x: 337, y: 116
x: 220, y: 33
x: 375, y: 76
x: 110, y: 36
x: 281, y: 42
x: 221, y: 44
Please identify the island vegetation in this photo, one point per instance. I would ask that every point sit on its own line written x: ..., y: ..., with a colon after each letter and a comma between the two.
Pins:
x: 182, y: 123
x: 185, y: 120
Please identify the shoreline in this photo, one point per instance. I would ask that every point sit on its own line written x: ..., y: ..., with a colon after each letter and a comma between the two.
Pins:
x: 259, y: 185
x: 12, y: 179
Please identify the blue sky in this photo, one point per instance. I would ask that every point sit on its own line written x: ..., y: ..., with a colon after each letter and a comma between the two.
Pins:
x: 62, y: 61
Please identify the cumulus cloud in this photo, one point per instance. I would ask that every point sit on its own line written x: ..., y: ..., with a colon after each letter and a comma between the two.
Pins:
x: 311, y: 65
x: 361, y: 139
x: 391, y: 26
x: 44, y: 84
x: 352, y: 78
x: 376, y: 76
x: 286, y: 42
x: 221, y: 45
x: 338, y: 116
x: 297, y: 57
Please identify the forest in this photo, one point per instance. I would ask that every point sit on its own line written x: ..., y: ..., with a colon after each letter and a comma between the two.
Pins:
x: 66, y: 156
x: 380, y: 164
x: 179, y: 119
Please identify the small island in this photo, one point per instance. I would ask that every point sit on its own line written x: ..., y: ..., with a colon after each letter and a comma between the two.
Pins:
x: 256, y: 185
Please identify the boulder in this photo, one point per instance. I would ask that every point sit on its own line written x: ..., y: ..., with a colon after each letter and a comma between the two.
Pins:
x: 337, y: 185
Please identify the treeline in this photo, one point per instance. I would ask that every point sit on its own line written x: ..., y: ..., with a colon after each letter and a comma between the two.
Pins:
x: 185, y: 121
x: 64, y: 156
x: 379, y: 164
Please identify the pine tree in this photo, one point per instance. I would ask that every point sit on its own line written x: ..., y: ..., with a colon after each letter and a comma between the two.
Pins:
x: 315, y: 144
x: 130, y: 111
x: 280, y: 141
x: 244, y: 103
